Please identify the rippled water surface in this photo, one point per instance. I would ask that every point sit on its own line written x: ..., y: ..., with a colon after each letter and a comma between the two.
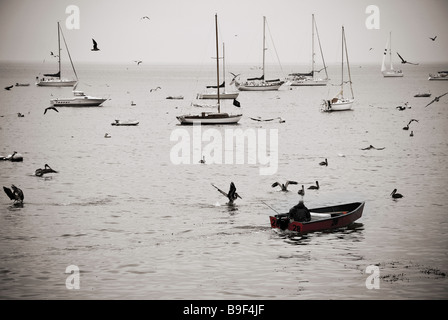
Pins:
x: 140, y: 227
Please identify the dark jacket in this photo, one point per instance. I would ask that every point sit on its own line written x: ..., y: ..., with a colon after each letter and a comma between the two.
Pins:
x: 300, y: 213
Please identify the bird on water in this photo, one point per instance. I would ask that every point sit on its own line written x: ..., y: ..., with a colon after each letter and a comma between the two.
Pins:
x: 47, y: 169
x: 231, y: 195
x: 301, y: 191
x: 396, y: 195
x: 15, y: 194
x: 95, y: 46
x: 324, y: 163
x: 283, y: 186
x: 316, y: 187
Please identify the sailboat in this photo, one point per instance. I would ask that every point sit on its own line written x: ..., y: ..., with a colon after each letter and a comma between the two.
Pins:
x: 56, y: 79
x: 260, y: 84
x: 310, y: 79
x: 223, y: 93
x: 389, y: 73
x: 340, y: 103
x: 212, y: 117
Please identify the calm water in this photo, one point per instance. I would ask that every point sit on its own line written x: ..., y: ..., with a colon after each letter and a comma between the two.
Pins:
x: 140, y: 227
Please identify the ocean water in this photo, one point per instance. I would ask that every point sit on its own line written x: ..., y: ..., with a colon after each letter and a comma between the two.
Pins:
x: 138, y: 226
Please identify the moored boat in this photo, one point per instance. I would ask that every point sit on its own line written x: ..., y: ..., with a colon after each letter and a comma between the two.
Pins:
x: 441, y: 75
x: 124, y: 123
x: 323, y: 218
x: 79, y: 100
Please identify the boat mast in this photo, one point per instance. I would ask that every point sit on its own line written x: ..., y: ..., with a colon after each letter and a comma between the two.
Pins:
x: 59, y: 51
x: 320, y: 48
x: 264, y: 42
x: 217, y: 61
x: 348, y: 67
x: 390, y: 51
x: 312, y: 45
x: 223, y: 66
x: 342, y: 69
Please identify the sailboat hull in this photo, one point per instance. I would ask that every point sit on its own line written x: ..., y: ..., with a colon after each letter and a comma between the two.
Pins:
x: 392, y: 74
x: 340, y: 105
x: 56, y: 83
x: 308, y: 83
x: 209, y: 118
x: 225, y: 95
x: 262, y: 86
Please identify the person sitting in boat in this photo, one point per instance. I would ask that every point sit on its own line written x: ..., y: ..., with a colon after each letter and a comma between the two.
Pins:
x: 300, y: 213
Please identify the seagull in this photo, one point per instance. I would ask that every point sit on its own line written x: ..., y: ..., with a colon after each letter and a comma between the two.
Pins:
x: 155, y: 89
x: 47, y: 169
x: 372, y: 147
x: 316, y: 187
x: 396, y: 195
x: 138, y: 61
x: 15, y: 194
x: 433, y: 39
x: 407, y: 126
x: 231, y: 195
x: 436, y: 99
x: 404, y: 61
x: 283, y: 186
x: 95, y: 46
x: 301, y: 191
x: 50, y: 108
x: 324, y: 163
x: 145, y: 17
x: 9, y: 88
x: 54, y: 55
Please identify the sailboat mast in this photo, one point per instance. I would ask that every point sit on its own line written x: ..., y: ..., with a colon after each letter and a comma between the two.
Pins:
x: 59, y: 51
x: 390, y: 51
x: 348, y: 67
x: 342, y: 69
x: 223, y: 66
x: 217, y: 61
x: 312, y: 45
x: 264, y: 42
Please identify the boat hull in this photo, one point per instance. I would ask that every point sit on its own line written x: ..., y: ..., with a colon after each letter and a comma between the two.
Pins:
x: 56, y: 83
x: 392, y: 74
x: 205, y: 119
x: 340, y: 105
x: 308, y: 83
x: 89, y: 102
x: 325, y: 218
x: 124, y: 123
x: 263, y: 86
x: 215, y: 95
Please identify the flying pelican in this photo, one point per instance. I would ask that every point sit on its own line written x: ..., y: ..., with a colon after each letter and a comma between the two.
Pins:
x: 138, y: 62
x: 301, y: 191
x: 404, y: 61
x: 433, y: 39
x: 47, y: 169
x: 396, y: 195
x: 50, y: 108
x: 436, y: 99
x: 15, y: 194
x: 324, y: 163
x: 316, y: 187
x: 407, y: 126
x: 283, y: 186
x: 155, y: 89
x: 145, y: 17
x: 372, y: 147
x: 8, y: 88
x: 95, y: 46
x: 231, y: 195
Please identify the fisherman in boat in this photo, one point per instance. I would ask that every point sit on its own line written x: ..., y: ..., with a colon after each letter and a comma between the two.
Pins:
x: 300, y: 213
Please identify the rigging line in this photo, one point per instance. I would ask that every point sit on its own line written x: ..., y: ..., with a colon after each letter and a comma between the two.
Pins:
x: 275, y: 49
x: 66, y: 47
x: 348, y: 67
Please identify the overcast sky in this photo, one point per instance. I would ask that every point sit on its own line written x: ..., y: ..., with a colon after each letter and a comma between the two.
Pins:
x: 182, y: 31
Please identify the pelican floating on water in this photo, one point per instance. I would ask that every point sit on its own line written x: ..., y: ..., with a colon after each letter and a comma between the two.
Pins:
x: 301, y: 191
x: 231, y: 195
x: 15, y: 157
x: 316, y: 187
x: 324, y: 163
x: 283, y: 186
x: 47, y: 169
x: 15, y: 194
x: 396, y: 195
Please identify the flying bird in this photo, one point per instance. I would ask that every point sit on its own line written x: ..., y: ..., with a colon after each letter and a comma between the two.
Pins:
x: 396, y: 195
x: 404, y: 61
x: 155, y: 89
x: 436, y: 99
x: 231, y: 195
x: 372, y: 147
x: 95, y: 46
x: 138, y: 62
x: 47, y: 169
x: 407, y: 126
x: 316, y: 187
x: 283, y: 186
x: 8, y: 88
x: 50, y: 108
x: 15, y: 194
x: 433, y: 39
x: 145, y: 17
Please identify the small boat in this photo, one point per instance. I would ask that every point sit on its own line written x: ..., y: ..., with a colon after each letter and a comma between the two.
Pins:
x: 79, y: 100
x: 441, y: 75
x: 324, y: 218
x: 124, y: 123
x: 422, y: 95
x: 391, y: 73
x: 22, y: 84
x: 260, y: 84
x: 56, y: 79
x: 175, y: 97
x: 340, y: 103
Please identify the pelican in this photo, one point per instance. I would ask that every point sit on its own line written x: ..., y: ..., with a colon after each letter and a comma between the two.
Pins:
x: 436, y: 99
x: 50, y: 108
x: 316, y: 187
x: 372, y: 147
x: 47, y: 169
x: 15, y: 194
x: 433, y: 39
x: 202, y: 160
x: 404, y: 61
x: 412, y: 134
x: 231, y: 195
x: 324, y: 163
x: 106, y: 135
x: 8, y: 88
x: 15, y: 157
x: 302, y: 191
x: 396, y: 195
x: 138, y: 62
x: 283, y: 186
x: 95, y: 46
x: 20, y: 115
x: 155, y: 89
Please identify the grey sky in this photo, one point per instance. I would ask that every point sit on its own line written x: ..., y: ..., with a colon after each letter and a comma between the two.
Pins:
x: 183, y: 31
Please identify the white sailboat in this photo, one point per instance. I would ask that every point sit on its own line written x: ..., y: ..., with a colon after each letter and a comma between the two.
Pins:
x: 310, y: 79
x: 56, y: 80
x: 223, y: 94
x: 340, y: 103
x: 391, y: 72
x: 260, y: 84
x: 212, y: 117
